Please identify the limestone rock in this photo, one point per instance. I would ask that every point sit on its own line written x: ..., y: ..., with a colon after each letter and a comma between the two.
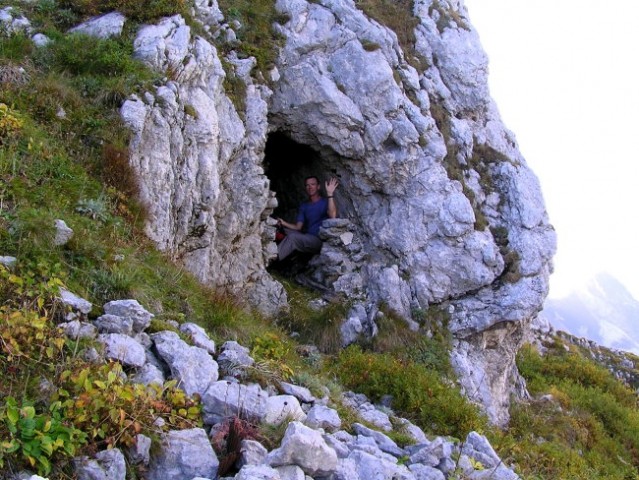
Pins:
x: 210, y: 206
x: 123, y: 348
x: 8, y: 261
x: 75, y: 303
x: 224, y: 399
x: 199, y: 337
x: 131, y: 309
x: 283, y: 408
x: 104, y: 26
x: 114, y: 324
x: 193, y: 367
x: 303, y: 394
x: 384, y: 443
x: 251, y: 453
x: 182, y: 455
x: 12, y: 22
x: 107, y: 465
x: 77, y: 330
x: 139, y: 452
x: 257, y: 472
x: 148, y: 374
x: 439, y: 209
x: 323, y: 417
x: 234, y: 359
x: 62, y: 233
x: 305, y: 448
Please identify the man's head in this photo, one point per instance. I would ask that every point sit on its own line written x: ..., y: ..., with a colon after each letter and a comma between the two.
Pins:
x: 312, y: 186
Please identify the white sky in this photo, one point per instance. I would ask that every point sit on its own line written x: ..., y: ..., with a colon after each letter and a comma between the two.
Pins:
x: 565, y: 76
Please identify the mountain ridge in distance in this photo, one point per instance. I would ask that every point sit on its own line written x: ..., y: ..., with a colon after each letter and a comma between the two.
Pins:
x: 602, y: 310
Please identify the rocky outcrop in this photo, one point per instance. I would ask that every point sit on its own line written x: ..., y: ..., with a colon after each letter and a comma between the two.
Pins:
x: 438, y: 205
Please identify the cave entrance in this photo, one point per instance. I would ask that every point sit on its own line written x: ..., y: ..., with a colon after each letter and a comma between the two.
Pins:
x: 286, y: 164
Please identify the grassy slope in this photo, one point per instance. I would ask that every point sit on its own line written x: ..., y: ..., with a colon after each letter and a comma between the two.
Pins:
x: 64, y: 156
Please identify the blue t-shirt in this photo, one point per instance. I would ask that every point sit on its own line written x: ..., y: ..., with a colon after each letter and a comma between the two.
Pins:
x: 313, y: 214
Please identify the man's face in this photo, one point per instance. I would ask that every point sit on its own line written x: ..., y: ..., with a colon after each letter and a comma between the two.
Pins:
x: 312, y: 187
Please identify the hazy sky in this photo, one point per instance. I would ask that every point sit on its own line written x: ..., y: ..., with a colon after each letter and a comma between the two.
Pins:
x: 565, y: 76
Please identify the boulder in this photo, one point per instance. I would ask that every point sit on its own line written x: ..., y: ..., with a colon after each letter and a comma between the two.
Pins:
x: 131, y: 309
x: 224, y: 399
x: 193, y: 367
x: 305, y: 448
x: 303, y: 394
x: 123, y: 348
x: 198, y: 336
x: 62, y: 233
x: 104, y: 26
x: 182, y: 455
x: 323, y: 417
x: 107, y: 465
x: 76, y: 304
x: 282, y: 408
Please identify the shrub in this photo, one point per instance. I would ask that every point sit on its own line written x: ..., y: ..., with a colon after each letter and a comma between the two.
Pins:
x: 86, y: 55
x: 417, y: 392
x: 589, y: 429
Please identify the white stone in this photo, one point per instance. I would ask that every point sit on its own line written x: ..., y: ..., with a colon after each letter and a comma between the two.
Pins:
x: 283, y: 408
x: 105, y: 26
x: 305, y: 448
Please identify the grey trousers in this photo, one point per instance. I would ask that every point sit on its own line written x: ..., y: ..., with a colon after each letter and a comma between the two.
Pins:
x: 295, y: 240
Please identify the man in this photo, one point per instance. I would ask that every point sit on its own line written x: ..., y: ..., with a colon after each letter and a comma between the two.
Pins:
x: 303, y: 236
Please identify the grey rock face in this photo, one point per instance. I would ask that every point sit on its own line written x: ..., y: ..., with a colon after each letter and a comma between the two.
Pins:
x: 107, y: 465
x: 104, y: 26
x: 424, y: 472
x: 182, y: 455
x: 438, y: 205
x: 148, y: 374
x: 193, y: 367
x: 384, y: 443
x: 218, y: 180
x: 12, y: 22
x: 305, y: 448
x: 478, y: 447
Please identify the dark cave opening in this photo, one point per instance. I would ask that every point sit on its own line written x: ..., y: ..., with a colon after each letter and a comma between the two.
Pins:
x: 287, y: 163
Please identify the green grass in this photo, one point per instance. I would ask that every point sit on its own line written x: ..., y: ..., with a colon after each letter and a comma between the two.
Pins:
x: 590, y: 428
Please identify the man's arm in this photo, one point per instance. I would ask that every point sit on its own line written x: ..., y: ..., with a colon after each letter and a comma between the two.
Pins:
x: 330, y: 187
x: 296, y: 226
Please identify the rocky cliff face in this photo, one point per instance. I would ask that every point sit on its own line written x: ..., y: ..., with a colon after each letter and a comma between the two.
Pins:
x: 441, y: 207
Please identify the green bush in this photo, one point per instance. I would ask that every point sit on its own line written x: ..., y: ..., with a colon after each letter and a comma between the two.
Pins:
x: 86, y: 55
x: 417, y: 392
x: 133, y: 9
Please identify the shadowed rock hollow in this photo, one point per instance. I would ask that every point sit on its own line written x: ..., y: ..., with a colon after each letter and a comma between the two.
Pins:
x: 443, y: 211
